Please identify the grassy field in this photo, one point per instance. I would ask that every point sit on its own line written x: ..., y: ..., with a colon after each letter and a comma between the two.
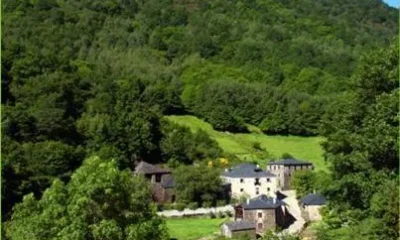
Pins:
x: 193, y: 228
x: 303, y: 148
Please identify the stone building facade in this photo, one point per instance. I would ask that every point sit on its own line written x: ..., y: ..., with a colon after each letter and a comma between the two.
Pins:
x: 266, y: 213
x: 284, y: 169
x: 311, y: 205
x: 250, y: 181
x: 239, y: 229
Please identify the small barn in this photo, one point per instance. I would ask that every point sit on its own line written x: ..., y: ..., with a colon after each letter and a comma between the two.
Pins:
x: 238, y: 229
x: 311, y: 204
x: 161, y: 181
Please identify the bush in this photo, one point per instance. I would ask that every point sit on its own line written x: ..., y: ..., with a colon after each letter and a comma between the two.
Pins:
x: 256, y: 146
x: 233, y: 201
x: 221, y: 203
x: 221, y: 215
x: 160, y: 207
x: 207, y: 204
x: 168, y: 206
x: 228, y: 213
x: 192, y: 205
x: 286, y: 156
x: 212, y: 215
x: 243, y: 198
x: 180, y: 206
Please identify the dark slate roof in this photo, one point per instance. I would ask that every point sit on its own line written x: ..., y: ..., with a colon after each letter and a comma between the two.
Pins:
x: 263, y: 202
x: 147, y: 168
x: 313, y: 199
x: 247, y: 170
x: 168, y: 182
x: 289, y: 161
x: 240, y: 225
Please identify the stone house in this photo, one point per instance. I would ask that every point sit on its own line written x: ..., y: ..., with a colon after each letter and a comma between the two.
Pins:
x: 284, y: 169
x: 161, y: 181
x: 249, y: 180
x: 239, y: 229
x: 266, y: 213
x: 311, y: 204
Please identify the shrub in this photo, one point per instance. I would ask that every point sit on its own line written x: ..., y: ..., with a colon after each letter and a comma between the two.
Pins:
x: 160, y: 207
x: 212, y: 215
x: 192, y: 205
x: 180, y: 206
x: 207, y: 204
x: 228, y: 213
x: 221, y: 215
x: 168, y: 206
x: 233, y: 201
x: 256, y: 146
x: 286, y: 156
x: 221, y: 203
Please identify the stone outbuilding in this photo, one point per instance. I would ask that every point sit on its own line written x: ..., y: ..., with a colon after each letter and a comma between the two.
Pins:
x: 238, y: 229
x: 266, y: 213
x: 161, y: 180
x: 284, y: 169
x: 311, y: 204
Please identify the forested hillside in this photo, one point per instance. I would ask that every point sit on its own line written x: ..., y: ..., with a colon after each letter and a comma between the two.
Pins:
x: 94, y: 77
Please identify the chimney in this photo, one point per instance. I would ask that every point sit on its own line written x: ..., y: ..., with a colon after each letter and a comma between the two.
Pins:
x: 314, y: 191
x: 226, y: 170
x: 248, y: 200
x: 273, y: 200
x: 258, y: 166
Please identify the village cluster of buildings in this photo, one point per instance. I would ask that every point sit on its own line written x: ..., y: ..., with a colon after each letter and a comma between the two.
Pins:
x: 263, y: 208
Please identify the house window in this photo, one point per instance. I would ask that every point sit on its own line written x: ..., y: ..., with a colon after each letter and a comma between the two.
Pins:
x: 257, y: 191
x: 268, y: 180
x: 268, y: 189
x: 259, y: 215
x: 260, y: 225
x: 257, y: 181
x: 241, y: 180
x: 158, y: 178
x: 241, y: 190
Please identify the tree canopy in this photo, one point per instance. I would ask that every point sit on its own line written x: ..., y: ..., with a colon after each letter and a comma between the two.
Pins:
x: 362, y: 144
x: 82, y: 78
x: 100, y: 202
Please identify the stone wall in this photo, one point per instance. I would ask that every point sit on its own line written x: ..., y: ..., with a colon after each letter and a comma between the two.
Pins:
x: 196, y: 212
x: 169, y: 195
x: 284, y: 173
x: 312, y: 213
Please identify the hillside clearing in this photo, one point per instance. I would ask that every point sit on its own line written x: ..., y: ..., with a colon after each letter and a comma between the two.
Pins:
x: 240, y: 144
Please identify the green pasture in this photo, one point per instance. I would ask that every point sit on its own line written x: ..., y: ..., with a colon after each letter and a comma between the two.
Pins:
x: 193, y: 228
x: 241, y: 144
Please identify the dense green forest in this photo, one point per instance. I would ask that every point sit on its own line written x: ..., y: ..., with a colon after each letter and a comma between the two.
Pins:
x: 85, y: 78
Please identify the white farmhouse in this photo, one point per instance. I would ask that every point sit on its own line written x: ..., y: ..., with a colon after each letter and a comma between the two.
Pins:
x: 250, y: 180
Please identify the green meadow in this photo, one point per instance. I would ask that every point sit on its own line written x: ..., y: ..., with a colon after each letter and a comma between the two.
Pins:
x: 241, y: 144
x: 193, y: 228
